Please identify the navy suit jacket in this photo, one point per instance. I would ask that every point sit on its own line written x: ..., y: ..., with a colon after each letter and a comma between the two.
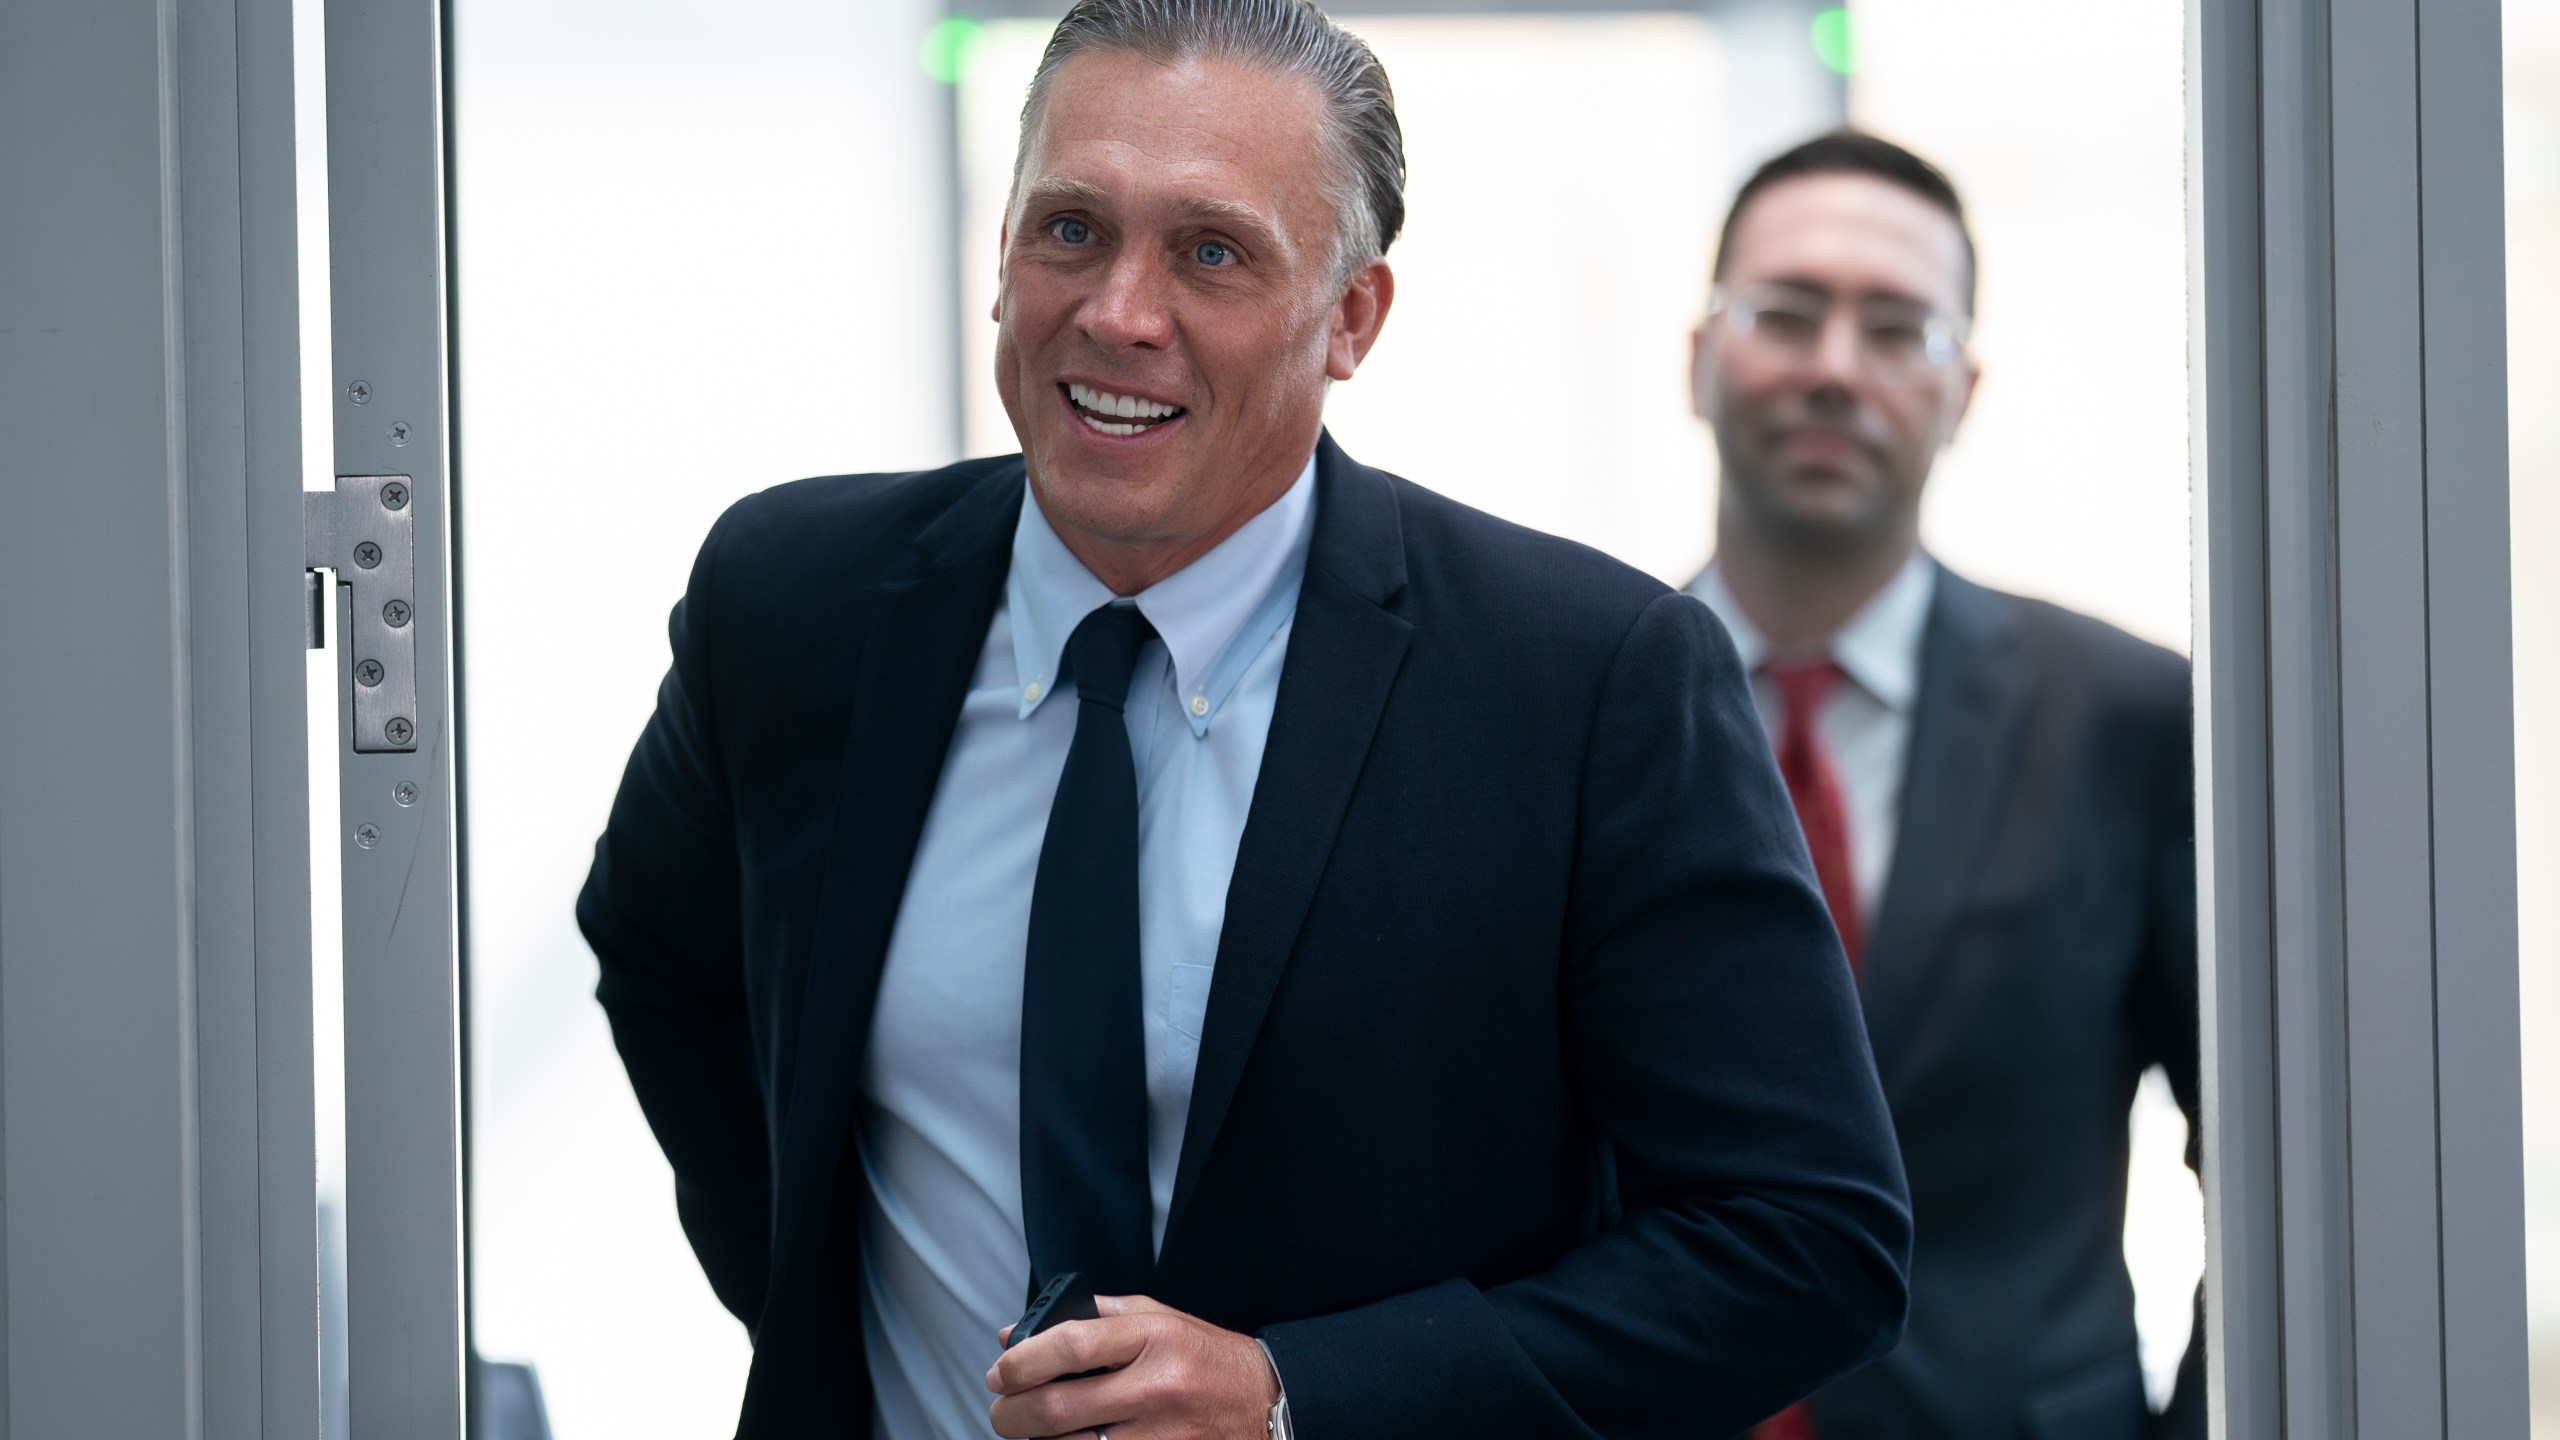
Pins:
x: 2034, y: 953
x: 1532, y: 1098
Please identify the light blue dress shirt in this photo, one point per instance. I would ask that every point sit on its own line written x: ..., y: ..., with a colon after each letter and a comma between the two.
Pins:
x: 945, y: 1261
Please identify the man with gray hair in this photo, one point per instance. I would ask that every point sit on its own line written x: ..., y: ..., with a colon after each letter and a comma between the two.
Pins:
x: 1366, y: 942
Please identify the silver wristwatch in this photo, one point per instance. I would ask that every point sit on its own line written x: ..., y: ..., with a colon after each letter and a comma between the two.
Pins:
x: 1276, y: 1424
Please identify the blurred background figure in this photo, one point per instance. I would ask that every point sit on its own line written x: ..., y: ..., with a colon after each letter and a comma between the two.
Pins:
x: 1997, y: 793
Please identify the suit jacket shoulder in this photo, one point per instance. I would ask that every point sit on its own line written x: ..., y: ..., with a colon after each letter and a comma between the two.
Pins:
x: 832, y: 529
x: 2116, y: 670
x: 783, y: 578
x: 1491, y: 582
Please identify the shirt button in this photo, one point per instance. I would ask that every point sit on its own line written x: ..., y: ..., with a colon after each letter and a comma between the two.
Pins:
x: 1199, y: 704
x: 1031, y: 692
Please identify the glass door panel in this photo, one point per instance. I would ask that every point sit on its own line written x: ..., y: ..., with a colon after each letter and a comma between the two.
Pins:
x: 2070, y: 480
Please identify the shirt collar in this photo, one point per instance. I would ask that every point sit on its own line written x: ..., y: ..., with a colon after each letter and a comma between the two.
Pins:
x: 1880, y: 646
x: 1213, y: 614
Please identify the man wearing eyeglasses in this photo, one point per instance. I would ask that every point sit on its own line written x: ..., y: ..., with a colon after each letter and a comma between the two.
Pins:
x: 1996, y: 793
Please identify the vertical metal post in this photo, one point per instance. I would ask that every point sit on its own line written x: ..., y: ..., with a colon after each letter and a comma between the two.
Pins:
x: 403, y: 1081
x: 255, y: 1105
x: 2235, y: 923
x: 2470, y: 679
x: 2298, y: 656
x: 2355, y: 724
x: 156, y: 1141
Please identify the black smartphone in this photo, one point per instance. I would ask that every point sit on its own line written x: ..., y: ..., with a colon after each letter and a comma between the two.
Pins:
x: 1068, y: 1297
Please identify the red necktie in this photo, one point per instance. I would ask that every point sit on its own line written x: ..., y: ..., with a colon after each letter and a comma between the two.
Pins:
x: 1814, y: 787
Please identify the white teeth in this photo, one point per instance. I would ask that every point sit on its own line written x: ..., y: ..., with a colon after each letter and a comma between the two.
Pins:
x: 1126, y: 407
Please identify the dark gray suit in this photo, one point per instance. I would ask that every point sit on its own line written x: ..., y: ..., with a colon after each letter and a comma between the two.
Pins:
x: 2034, y: 953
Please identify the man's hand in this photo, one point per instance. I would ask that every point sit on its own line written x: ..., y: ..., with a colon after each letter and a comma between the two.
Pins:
x: 1172, y: 1378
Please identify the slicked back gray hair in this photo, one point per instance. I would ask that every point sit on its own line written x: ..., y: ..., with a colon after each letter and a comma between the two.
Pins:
x: 1364, y: 145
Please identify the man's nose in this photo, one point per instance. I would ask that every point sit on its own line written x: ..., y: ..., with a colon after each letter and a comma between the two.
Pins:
x: 1838, y: 356
x: 1130, y: 309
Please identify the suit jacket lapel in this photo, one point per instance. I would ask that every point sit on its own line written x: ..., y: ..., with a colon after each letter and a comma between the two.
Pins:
x: 1344, y: 651
x: 927, y: 626
x: 1963, y: 750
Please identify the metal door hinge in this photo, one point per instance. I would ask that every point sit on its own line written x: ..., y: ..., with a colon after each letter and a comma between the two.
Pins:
x: 362, y: 531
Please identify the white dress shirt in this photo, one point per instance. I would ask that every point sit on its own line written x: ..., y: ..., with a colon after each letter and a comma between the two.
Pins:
x: 1865, y: 725
x: 945, y: 1260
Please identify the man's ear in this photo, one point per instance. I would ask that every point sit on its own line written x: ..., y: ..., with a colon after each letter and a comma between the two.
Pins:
x: 1701, y: 373
x: 1964, y: 403
x: 1357, y: 318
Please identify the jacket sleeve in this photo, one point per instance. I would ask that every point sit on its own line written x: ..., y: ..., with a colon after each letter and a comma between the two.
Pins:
x: 660, y: 910
x: 2166, y: 1009
x: 1714, y: 1036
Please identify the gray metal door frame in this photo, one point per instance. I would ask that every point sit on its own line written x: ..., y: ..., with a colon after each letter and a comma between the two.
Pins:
x: 159, y: 1234
x: 157, y: 1225
x: 156, y: 1094
x: 2355, y: 715
x: 396, y: 834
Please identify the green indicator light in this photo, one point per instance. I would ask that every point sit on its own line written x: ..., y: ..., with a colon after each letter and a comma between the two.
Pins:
x: 1834, y: 43
x: 946, y: 48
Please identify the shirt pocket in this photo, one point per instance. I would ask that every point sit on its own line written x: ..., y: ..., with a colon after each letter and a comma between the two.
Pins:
x: 1185, y: 1010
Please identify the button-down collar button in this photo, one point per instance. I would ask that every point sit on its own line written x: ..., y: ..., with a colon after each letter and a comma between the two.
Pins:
x: 1031, y: 693
x: 1199, y: 704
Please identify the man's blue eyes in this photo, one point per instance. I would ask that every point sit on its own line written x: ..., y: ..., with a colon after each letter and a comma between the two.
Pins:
x: 1211, y: 253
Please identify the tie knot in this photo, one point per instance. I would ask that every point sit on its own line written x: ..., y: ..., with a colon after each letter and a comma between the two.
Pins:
x: 1803, y: 683
x: 1104, y: 650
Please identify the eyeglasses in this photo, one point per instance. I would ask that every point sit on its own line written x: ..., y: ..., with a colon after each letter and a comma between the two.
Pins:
x: 1899, y: 340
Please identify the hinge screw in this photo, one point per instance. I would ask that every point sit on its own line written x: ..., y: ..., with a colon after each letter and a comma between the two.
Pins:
x: 369, y: 673
x: 395, y: 613
x: 367, y: 837
x: 368, y: 555
x: 359, y: 392
x: 395, y: 496
x: 397, y: 730
x: 399, y: 432
x: 406, y: 792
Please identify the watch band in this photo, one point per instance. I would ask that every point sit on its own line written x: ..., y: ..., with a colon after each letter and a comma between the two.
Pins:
x: 1275, y: 1426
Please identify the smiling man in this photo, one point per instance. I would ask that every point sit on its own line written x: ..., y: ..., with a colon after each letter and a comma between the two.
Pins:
x: 1364, y: 939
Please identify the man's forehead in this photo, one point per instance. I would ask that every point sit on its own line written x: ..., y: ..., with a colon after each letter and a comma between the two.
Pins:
x: 1868, y: 230
x: 1206, y: 127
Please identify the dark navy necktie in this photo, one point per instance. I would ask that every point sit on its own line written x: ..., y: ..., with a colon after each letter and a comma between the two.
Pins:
x: 1085, y: 1203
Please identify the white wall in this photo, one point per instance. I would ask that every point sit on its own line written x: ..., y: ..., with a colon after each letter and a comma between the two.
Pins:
x: 690, y: 242
x: 2064, y: 127
x: 2533, y: 379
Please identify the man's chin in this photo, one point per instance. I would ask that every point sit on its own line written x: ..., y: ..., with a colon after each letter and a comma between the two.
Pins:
x: 1833, y: 524
x: 1106, y: 502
